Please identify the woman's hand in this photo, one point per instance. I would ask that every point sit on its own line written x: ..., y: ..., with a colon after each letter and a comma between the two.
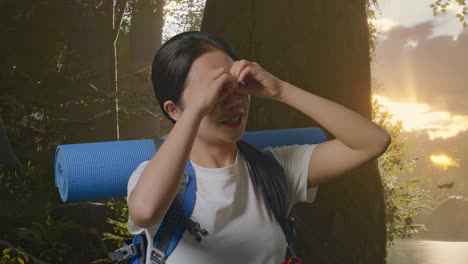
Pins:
x: 252, y: 78
x: 210, y: 89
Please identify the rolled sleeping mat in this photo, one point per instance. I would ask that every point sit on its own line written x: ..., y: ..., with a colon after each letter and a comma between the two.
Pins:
x: 100, y: 170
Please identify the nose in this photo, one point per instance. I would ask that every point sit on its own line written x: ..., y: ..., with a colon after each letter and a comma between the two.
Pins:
x: 233, y: 99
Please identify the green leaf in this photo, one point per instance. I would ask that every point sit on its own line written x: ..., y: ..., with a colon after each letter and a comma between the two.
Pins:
x: 465, y: 25
x: 6, y: 251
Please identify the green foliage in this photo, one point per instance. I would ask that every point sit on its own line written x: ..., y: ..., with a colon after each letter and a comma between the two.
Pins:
x: 47, y: 238
x: 13, y: 256
x: 121, y: 233
x: 403, y: 197
x: 120, y: 230
x: 24, y: 194
x: 440, y: 6
x: 372, y: 28
x: 17, y: 183
x: 102, y: 261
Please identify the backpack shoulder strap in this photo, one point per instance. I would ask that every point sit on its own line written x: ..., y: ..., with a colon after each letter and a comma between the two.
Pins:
x: 177, y: 220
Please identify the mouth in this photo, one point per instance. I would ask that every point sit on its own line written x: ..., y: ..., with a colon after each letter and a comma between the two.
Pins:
x: 234, y: 117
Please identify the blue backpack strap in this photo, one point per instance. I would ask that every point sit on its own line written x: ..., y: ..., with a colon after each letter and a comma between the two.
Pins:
x: 174, y: 224
x: 140, y: 243
x: 177, y: 220
x: 291, y: 256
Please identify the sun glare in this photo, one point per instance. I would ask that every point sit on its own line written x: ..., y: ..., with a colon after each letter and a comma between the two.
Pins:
x: 443, y: 161
x: 420, y: 117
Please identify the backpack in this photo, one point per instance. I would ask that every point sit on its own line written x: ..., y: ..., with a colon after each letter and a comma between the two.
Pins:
x: 176, y: 221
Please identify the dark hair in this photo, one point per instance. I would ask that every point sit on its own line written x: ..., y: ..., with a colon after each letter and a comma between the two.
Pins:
x: 169, y: 72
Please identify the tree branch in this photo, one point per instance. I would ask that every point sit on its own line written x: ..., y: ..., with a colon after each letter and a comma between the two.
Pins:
x: 120, y: 8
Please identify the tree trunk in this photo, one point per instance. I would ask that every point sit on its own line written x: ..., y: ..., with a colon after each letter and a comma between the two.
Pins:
x: 145, y: 32
x: 323, y: 47
x: 8, y: 159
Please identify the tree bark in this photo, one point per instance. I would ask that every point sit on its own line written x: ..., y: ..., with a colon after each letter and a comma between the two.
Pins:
x: 8, y: 159
x: 323, y: 47
x: 145, y: 32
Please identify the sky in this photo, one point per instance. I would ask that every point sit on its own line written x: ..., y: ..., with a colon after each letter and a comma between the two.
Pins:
x: 410, y: 13
x: 421, y: 75
x: 421, y: 66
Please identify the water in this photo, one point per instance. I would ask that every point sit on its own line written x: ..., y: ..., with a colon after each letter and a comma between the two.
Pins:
x: 428, y: 252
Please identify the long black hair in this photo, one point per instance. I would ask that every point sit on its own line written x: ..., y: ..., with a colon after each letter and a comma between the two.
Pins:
x: 169, y: 72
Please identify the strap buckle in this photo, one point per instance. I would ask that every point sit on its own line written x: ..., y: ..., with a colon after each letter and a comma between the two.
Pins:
x: 293, y: 261
x: 195, y: 229
x: 192, y: 226
x: 185, y: 179
x: 123, y: 253
x: 157, y: 256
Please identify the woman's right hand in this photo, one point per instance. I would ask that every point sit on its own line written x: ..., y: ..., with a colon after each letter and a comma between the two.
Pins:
x: 210, y: 89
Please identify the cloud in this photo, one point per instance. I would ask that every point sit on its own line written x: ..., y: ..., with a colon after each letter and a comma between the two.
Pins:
x: 384, y: 24
x: 421, y: 117
x: 454, y: 8
x: 431, y: 70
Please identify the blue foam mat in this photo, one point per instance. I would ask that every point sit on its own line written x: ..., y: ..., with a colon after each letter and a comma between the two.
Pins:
x: 91, y: 171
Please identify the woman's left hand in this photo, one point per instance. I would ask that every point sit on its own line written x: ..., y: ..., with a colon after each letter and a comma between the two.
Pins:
x: 253, y: 79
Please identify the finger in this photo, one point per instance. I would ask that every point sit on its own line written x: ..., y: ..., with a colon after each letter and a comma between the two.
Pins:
x: 215, y: 74
x: 231, y: 84
x: 247, y: 71
x: 233, y: 68
x: 231, y: 87
x: 241, y: 65
x: 241, y: 86
x: 223, y: 84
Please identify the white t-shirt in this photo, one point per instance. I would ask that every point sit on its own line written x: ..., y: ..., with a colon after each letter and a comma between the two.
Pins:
x: 240, y: 230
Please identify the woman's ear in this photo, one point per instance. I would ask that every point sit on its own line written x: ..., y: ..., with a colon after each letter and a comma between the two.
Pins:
x: 173, y: 110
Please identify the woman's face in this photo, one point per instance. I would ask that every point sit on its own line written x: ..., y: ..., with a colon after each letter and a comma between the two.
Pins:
x: 213, y: 129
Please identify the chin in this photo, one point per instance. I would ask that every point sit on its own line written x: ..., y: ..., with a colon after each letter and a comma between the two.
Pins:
x: 234, y: 135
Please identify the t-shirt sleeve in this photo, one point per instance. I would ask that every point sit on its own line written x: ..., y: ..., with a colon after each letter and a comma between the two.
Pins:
x: 132, y: 181
x: 295, y: 161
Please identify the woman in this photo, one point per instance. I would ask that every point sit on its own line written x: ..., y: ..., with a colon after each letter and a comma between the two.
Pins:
x: 205, y: 91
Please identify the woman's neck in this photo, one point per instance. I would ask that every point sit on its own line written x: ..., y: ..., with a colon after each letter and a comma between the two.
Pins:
x: 213, y: 155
